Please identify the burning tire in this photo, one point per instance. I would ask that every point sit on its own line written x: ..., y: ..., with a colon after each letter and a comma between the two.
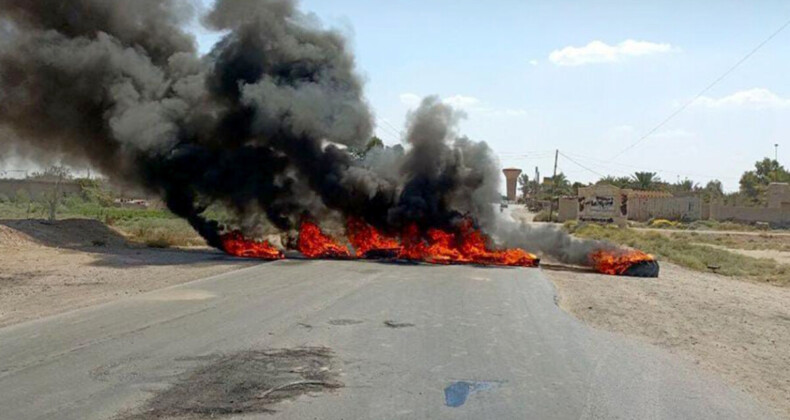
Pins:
x: 643, y: 269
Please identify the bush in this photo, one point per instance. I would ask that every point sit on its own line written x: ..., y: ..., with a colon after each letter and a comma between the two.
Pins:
x: 570, y: 225
x: 662, y: 224
x: 543, y: 216
x: 160, y: 242
x: 4, y: 199
x: 22, y: 196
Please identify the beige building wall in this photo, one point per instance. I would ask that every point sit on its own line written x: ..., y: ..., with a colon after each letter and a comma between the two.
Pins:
x: 778, y: 195
x: 774, y: 215
x: 602, y: 203
x: 642, y: 209
x: 568, y: 209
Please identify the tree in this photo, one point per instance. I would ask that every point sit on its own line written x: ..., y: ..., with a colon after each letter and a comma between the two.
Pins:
x: 524, y: 185
x: 712, y: 191
x: 646, y: 180
x: 619, y: 182
x: 683, y: 186
x: 575, y: 187
x: 714, y: 188
x: 560, y: 185
x: 373, y: 143
x: 55, y: 174
x: 753, y: 183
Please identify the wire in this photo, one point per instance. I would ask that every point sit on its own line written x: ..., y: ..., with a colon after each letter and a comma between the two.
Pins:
x: 605, y: 165
x: 580, y: 165
x: 703, y: 91
x: 400, y: 132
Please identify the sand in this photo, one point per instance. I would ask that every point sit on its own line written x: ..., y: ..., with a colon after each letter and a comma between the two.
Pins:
x: 737, y: 329
x: 47, y: 268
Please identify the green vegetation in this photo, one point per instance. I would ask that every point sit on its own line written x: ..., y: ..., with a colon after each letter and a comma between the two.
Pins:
x: 543, y: 216
x: 698, y: 225
x: 764, y: 241
x: 754, y: 183
x: 153, y: 227
x: 688, y: 254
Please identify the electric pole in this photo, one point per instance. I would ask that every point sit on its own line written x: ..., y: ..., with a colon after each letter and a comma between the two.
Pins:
x: 776, y: 152
x: 553, y: 185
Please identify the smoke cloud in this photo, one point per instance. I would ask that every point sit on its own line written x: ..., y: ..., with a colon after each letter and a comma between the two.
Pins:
x: 262, y: 124
x: 548, y: 240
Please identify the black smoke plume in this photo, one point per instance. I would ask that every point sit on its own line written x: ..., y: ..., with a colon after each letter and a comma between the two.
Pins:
x: 261, y: 124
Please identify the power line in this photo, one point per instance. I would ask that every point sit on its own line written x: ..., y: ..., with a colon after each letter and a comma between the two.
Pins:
x: 703, y: 91
x: 580, y: 165
x: 606, y: 165
x: 400, y: 132
x: 389, y: 132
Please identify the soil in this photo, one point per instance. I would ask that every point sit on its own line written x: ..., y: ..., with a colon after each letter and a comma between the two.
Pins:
x: 248, y: 382
x: 737, y: 329
x: 47, y: 268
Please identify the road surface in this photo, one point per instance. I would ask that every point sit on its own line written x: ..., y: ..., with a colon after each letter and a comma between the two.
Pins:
x: 474, y: 343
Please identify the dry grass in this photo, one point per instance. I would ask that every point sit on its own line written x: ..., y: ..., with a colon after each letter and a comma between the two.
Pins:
x: 684, y: 252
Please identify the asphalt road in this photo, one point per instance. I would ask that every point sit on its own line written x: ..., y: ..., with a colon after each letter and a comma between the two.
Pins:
x: 485, y: 343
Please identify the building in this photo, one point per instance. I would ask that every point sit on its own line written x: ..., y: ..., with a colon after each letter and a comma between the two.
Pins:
x: 511, y: 177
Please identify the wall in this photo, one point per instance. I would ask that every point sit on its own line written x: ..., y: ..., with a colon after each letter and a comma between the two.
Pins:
x: 719, y: 211
x: 38, y: 190
x: 602, y: 203
x: 778, y: 195
x: 568, y: 209
x: 642, y: 209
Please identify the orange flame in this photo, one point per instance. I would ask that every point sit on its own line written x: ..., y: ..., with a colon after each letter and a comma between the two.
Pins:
x: 313, y: 243
x: 365, y: 239
x: 234, y: 243
x: 617, y: 262
x: 468, y: 245
x: 464, y: 245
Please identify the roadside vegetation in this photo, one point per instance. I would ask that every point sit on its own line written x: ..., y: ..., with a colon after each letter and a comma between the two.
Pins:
x: 700, y: 225
x: 686, y: 253
x: 762, y: 241
x: 153, y: 226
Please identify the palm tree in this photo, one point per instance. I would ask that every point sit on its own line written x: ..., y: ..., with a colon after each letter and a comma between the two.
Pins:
x: 560, y: 185
x: 619, y: 182
x: 646, y: 180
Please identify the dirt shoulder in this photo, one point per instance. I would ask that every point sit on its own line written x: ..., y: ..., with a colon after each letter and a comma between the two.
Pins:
x: 47, y: 268
x: 737, y: 329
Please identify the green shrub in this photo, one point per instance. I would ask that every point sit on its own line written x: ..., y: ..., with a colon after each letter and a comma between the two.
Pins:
x: 22, y: 196
x: 662, y: 224
x: 543, y: 216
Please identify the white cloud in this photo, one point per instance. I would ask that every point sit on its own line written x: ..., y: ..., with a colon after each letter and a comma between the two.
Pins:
x: 461, y: 101
x: 601, y: 52
x: 533, y: 62
x: 758, y: 98
x: 410, y: 99
x: 469, y: 104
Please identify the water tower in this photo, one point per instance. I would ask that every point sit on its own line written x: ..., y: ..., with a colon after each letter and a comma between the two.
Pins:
x: 511, y: 175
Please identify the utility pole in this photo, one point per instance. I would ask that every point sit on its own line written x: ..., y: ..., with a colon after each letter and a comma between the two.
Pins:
x: 553, y: 185
x: 776, y: 152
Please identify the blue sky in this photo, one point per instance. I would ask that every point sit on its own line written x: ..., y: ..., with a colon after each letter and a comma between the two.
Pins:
x: 587, y: 79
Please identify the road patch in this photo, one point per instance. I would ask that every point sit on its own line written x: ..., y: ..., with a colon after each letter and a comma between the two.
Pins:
x: 245, y: 382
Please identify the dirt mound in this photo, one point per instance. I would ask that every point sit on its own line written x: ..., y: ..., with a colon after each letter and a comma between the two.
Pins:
x: 70, y: 233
